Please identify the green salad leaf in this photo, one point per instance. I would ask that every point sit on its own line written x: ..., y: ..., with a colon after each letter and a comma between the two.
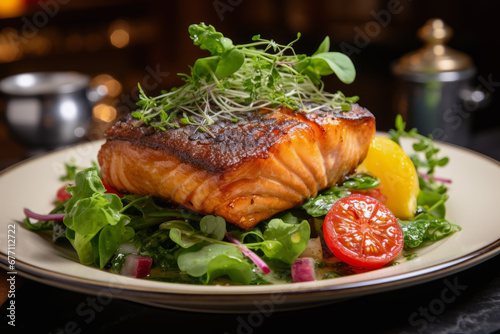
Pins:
x: 214, y: 260
x: 89, y: 212
x: 362, y: 181
x: 429, y: 225
x: 318, y: 206
x: 158, y: 246
x: 425, y: 229
x: 293, y: 239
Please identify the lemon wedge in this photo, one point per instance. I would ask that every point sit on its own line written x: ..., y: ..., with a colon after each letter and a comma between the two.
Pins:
x: 398, y: 176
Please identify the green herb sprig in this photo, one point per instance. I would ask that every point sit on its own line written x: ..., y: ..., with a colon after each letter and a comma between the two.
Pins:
x: 429, y: 224
x: 424, y: 148
x: 246, y: 77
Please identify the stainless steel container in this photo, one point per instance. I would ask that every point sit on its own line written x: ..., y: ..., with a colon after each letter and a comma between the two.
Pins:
x: 435, y: 90
x: 45, y: 110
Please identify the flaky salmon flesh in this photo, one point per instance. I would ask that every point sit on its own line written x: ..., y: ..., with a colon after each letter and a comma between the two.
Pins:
x: 244, y: 171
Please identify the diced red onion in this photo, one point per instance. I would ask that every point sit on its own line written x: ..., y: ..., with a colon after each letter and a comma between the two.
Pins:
x: 251, y: 255
x: 54, y: 216
x: 138, y: 266
x: 128, y: 248
x: 303, y: 270
x: 313, y: 249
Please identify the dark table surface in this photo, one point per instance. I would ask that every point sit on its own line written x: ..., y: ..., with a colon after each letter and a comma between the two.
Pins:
x: 474, y: 306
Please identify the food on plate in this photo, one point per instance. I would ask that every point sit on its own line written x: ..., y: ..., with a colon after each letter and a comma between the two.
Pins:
x: 250, y: 170
x: 362, y: 232
x: 250, y: 173
x: 398, y: 176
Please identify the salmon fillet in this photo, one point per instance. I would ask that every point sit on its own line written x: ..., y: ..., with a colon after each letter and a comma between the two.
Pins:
x: 246, y: 171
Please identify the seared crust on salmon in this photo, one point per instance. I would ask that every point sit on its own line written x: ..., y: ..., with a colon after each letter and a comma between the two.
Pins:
x: 245, y: 171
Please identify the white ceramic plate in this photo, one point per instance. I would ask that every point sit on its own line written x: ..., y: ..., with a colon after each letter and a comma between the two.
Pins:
x: 473, y: 204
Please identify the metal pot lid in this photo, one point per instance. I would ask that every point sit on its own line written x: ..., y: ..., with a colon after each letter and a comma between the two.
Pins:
x: 434, y: 57
x: 42, y: 83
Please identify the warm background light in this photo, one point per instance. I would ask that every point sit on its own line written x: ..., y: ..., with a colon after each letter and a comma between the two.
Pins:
x: 113, y: 86
x: 12, y: 8
x: 9, y: 46
x: 119, y: 34
x: 104, y: 112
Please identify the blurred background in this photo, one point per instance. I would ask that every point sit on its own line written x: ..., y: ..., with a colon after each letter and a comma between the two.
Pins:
x: 119, y: 43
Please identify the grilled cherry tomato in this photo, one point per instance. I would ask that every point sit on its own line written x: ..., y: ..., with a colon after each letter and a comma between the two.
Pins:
x: 62, y: 194
x: 362, y: 232
x: 110, y: 190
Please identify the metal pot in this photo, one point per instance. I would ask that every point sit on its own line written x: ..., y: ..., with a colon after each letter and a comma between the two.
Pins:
x: 45, y: 110
x: 435, y: 87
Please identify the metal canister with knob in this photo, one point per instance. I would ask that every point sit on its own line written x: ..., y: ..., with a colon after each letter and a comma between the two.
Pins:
x: 435, y: 87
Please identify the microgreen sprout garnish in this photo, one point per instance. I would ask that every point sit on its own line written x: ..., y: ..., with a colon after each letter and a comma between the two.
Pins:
x: 429, y: 223
x: 425, y: 156
x: 247, y: 77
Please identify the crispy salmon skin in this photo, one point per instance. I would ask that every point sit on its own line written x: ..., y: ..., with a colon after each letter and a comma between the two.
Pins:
x: 243, y: 171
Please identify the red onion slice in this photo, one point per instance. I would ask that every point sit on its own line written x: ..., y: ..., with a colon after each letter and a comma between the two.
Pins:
x: 54, y: 216
x: 438, y: 179
x: 251, y: 255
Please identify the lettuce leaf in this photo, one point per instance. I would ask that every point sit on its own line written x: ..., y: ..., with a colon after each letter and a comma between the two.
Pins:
x: 94, y: 223
x: 215, y: 260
